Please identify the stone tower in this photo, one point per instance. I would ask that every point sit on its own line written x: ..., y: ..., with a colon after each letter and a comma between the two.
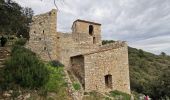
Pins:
x: 86, y: 32
x: 43, y: 35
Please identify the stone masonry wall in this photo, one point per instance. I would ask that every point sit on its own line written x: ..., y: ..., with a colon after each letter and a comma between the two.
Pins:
x: 81, y: 33
x: 113, y: 62
x: 77, y: 67
x: 43, y: 36
x: 68, y: 48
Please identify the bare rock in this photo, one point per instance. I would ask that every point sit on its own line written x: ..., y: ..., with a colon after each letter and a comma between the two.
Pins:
x: 6, y: 94
x: 27, y: 96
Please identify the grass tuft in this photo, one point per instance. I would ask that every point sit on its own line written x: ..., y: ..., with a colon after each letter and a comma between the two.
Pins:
x: 76, y: 86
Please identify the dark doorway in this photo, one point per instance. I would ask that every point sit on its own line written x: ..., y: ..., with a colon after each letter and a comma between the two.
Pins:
x: 108, y: 81
x: 91, y: 30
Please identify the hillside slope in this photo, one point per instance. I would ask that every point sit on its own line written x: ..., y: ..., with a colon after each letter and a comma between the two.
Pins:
x: 149, y: 73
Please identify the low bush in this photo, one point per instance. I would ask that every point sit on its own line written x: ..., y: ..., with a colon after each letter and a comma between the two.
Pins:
x: 120, y: 94
x: 76, y: 86
x: 56, y: 79
x: 93, y: 95
x: 56, y: 63
x: 25, y: 69
x: 21, y: 42
x: 56, y: 83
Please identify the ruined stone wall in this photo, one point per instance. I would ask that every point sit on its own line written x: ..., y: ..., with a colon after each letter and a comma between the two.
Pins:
x: 77, y: 67
x: 113, y: 62
x: 43, y: 37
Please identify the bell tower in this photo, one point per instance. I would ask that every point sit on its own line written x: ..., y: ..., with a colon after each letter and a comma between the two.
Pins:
x: 86, y: 32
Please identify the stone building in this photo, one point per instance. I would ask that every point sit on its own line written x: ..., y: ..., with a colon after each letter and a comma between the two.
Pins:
x: 97, y: 67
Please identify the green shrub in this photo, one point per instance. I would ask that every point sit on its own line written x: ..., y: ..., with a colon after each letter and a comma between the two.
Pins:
x: 21, y: 42
x: 76, y: 86
x: 25, y: 69
x: 56, y: 63
x: 56, y: 83
x: 107, y: 98
x: 107, y: 42
x: 118, y: 93
x: 56, y: 79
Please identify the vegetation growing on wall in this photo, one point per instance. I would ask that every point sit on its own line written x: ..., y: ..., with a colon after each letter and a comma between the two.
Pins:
x: 76, y: 86
x: 107, y: 41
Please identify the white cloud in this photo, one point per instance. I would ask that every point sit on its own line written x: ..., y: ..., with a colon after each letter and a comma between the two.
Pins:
x: 143, y: 23
x: 156, y: 44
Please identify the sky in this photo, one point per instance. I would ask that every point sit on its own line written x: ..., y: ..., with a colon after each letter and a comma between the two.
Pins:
x: 144, y: 24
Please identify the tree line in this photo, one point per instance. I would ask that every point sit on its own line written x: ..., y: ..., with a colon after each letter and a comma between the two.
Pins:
x: 14, y: 19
